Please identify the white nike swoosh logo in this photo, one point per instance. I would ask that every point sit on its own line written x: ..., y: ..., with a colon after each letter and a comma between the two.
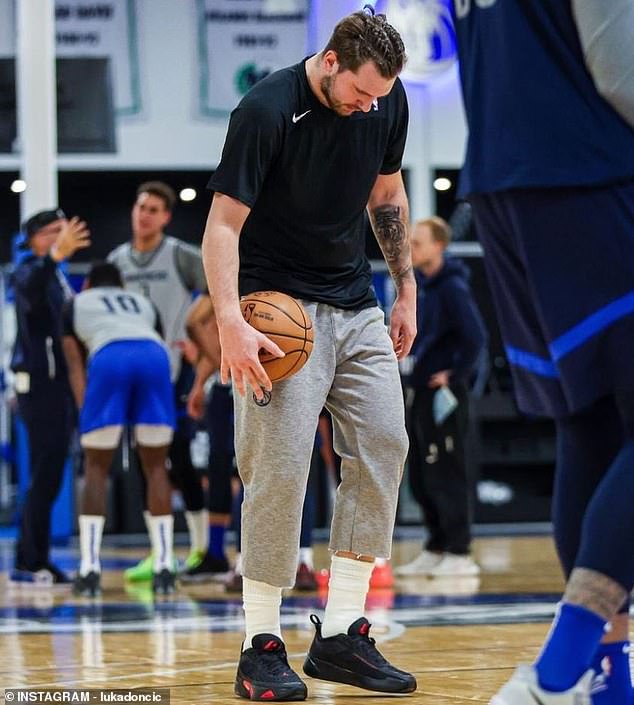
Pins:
x: 297, y: 118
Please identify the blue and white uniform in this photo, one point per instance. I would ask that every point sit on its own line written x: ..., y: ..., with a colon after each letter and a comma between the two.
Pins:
x: 549, y: 171
x: 128, y: 380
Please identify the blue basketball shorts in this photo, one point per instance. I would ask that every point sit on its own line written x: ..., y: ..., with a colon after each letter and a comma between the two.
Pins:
x: 128, y: 384
x: 560, y: 263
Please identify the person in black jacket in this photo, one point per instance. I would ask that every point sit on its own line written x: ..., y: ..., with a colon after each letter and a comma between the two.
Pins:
x: 41, y: 381
x: 451, y: 339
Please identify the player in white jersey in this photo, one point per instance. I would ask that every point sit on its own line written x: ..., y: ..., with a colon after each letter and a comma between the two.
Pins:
x: 168, y: 271
x: 124, y: 382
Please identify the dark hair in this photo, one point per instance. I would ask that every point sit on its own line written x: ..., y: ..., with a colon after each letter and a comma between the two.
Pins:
x: 161, y: 190
x: 104, y: 274
x: 362, y: 37
x: 40, y: 220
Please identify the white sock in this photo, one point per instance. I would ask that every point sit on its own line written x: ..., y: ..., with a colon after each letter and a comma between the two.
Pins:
x: 347, y: 590
x: 146, y: 518
x: 380, y: 562
x: 198, y: 525
x: 237, y: 566
x: 90, y: 531
x: 306, y: 556
x: 261, y: 603
x: 162, y: 538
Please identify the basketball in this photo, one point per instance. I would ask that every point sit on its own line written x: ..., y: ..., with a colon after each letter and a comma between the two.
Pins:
x: 285, y: 321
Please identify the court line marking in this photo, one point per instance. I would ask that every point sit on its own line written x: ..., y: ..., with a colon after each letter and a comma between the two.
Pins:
x: 394, y: 630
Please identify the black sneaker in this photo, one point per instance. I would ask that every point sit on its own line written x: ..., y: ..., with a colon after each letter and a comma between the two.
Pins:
x: 353, y: 658
x: 210, y: 568
x: 59, y: 577
x: 164, y: 583
x: 88, y: 585
x: 264, y: 674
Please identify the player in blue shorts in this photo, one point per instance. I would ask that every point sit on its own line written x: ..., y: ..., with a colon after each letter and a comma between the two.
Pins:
x: 126, y: 382
x: 549, y: 97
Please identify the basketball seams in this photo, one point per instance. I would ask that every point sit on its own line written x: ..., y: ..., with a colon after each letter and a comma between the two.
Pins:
x: 301, y: 323
x: 289, y: 371
x: 261, y: 308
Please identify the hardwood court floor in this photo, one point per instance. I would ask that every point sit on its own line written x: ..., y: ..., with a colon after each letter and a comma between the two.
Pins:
x: 461, y: 637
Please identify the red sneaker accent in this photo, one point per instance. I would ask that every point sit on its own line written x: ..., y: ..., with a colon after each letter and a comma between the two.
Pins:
x: 322, y: 577
x: 382, y: 577
x: 267, y: 695
x: 365, y: 628
x: 271, y: 645
x: 248, y: 686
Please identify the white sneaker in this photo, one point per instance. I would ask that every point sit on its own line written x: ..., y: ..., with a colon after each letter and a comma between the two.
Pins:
x: 423, y: 564
x: 523, y: 689
x: 452, y: 565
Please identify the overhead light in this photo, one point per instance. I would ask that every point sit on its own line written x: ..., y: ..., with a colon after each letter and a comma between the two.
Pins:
x: 18, y: 186
x: 187, y: 194
x: 442, y: 184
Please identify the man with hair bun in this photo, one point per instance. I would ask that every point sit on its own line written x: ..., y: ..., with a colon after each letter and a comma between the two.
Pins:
x: 308, y: 150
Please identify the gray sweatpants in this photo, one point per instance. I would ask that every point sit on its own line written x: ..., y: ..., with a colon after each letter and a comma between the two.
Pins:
x: 354, y: 373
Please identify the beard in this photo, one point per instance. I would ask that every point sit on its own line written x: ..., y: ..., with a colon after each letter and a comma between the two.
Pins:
x: 327, y: 87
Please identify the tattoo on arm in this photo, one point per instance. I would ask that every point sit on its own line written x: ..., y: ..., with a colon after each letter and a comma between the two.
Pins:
x: 595, y: 591
x: 391, y: 233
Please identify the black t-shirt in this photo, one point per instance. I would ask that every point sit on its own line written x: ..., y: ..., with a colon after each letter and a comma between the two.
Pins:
x: 307, y: 173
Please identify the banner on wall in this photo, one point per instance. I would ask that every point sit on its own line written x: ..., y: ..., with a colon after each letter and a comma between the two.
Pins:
x: 242, y: 41
x: 91, y: 29
x: 428, y: 33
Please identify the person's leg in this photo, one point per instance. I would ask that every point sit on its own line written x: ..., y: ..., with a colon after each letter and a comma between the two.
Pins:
x: 273, y: 448
x: 48, y: 419
x: 182, y: 473
x: 233, y: 583
x: 219, y: 417
x: 151, y: 412
x: 101, y: 423
x: 373, y: 447
x: 309, y: 509
x: 569, y: 341
x: 185, y: 477
x: 422, y: 462
x: 602, y: 574
x: 416, y: 447
x: 99, y: 446
x: 430, y: 471
x: 220, y: 472
x: 453, y: 491
x: 153, y: 461
x: 97, y: 463
x: 305, y: 579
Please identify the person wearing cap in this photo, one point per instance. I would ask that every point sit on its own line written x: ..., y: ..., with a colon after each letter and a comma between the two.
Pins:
x: 41, y: 381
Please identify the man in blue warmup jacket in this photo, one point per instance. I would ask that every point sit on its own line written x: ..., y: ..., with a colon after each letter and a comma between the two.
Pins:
x: 41, y: 382
x: 549, y: 96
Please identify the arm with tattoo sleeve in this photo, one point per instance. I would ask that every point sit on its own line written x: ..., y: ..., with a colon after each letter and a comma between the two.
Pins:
x: 389, y: 215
